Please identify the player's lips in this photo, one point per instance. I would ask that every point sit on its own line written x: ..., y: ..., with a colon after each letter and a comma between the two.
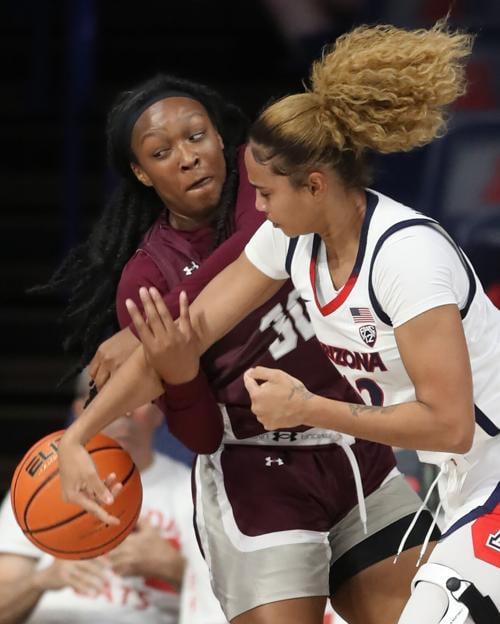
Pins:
x: 200, y: 183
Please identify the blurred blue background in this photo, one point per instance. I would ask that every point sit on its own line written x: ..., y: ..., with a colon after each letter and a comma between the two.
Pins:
x: 65, y: 60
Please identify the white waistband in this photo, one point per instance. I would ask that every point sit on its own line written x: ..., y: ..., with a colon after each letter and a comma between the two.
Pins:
x: 311, y: 437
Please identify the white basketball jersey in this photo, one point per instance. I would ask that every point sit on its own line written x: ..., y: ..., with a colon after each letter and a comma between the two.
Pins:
x: 354, y: 329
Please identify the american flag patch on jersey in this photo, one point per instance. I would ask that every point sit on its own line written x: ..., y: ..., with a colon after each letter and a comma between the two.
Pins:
x: 362, y: 315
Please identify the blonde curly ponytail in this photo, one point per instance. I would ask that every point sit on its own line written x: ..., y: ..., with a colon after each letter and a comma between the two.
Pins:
x: 377, y: 88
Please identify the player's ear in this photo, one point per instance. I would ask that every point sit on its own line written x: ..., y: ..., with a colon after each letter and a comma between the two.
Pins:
x: 316, y: 183
x: 140, y: 174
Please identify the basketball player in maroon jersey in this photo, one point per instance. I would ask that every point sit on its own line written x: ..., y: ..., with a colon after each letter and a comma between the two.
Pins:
x: 275, y: 510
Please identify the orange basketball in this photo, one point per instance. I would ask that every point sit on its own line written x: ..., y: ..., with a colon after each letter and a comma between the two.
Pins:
x: 63, y: 529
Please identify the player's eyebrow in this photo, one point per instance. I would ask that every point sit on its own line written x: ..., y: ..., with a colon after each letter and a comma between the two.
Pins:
x: 160, y: 130
x: 256, y: 186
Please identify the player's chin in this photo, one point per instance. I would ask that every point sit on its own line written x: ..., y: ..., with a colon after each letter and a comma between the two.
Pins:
x: 278, y: 226
x: 205, y: 207
x: 288, y: 230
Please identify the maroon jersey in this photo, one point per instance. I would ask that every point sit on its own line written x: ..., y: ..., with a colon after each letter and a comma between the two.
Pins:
x: 278, y: 334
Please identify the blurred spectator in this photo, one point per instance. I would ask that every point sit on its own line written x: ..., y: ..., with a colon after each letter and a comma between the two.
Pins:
x: 137, y: 582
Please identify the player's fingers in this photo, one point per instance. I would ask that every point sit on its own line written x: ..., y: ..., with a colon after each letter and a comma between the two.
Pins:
x: 250, y: 384
x: 115, y: 489
x: 140, y: 325
x: 101, y: 377
x: 87, y: 502
x: 110, y: 479
x: 156, y: 323
x: 262, y: 373
x: 113, y: 485
x: 184, y: 317
x: 161, y: 309
x: 98, y: 490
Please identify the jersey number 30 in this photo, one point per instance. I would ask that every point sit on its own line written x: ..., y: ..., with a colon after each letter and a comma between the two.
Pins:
x: 288, y: 324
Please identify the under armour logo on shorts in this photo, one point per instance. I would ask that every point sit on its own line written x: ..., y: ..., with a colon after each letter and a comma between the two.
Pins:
x: 270, y: 461
x: 291, y: 436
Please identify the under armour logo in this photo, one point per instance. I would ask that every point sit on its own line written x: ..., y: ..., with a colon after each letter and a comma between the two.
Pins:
x: 270, y: 461
x: 190, y: 269
x: 291, y: 436
x: 494, y: 541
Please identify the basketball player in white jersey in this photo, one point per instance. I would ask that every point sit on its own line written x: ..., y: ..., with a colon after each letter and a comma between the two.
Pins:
x: 395, y: 304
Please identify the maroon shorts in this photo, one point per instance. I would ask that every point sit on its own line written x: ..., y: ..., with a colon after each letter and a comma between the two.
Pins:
x: 272, y: 521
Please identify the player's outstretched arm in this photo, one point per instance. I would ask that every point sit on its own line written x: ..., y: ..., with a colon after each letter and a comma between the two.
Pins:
x: 233, y: 294
x: 134, y: 384
x: 229, y: 298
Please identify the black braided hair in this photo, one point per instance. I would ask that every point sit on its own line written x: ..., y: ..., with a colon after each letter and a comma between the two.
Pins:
x: 90, y: 273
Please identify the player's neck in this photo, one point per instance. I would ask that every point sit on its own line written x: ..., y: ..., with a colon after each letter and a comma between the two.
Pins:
x: 342, y: 230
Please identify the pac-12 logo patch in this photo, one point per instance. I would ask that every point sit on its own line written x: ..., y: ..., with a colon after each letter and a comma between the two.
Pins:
x: 369, y: 334
x: 367, y: 331
x: 486, y: 537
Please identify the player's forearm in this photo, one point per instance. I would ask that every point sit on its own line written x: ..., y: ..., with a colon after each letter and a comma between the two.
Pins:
x: 18, y: 598
x: 193, y: 414
x: 413, y: 425
x: 134, y: 384
x: 231, y: 296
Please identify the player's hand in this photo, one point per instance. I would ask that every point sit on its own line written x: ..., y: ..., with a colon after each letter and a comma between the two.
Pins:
x: 171, y: 348
x: 80, y: 482
x: 110, y: 356
x: 146, y: 553
x: 278, y: 399
x: 87, y: 577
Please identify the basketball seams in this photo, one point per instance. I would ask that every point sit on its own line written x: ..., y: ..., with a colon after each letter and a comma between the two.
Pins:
x: 33, y: 493
x: 96, y: 550
x: 126, y: 479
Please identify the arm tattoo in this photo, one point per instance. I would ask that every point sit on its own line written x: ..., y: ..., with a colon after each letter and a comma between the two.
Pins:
x: 357, y: 410
x: 299, y: 388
